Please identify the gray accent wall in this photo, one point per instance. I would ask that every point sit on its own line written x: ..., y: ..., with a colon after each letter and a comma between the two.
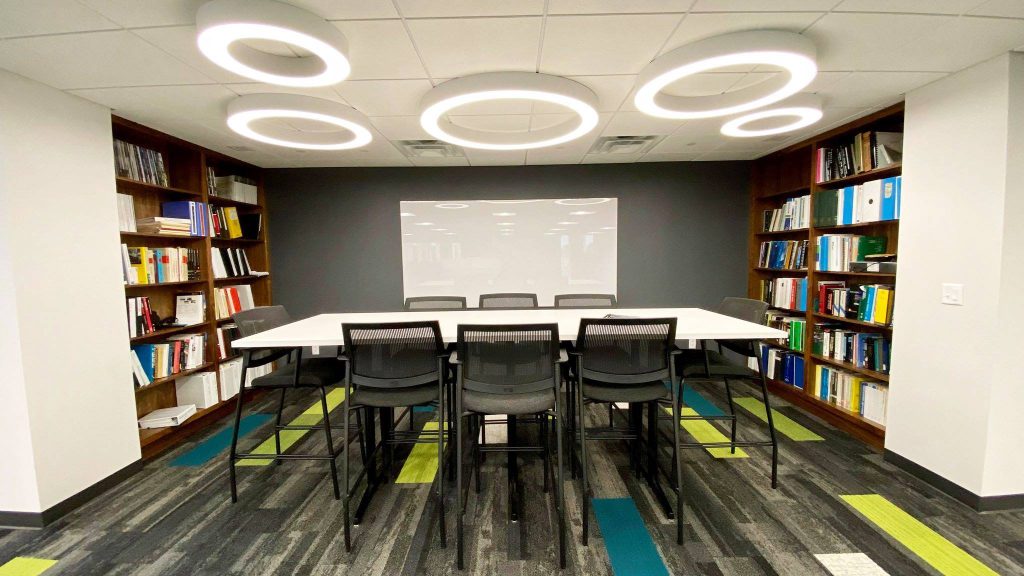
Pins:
x: 336, y: 242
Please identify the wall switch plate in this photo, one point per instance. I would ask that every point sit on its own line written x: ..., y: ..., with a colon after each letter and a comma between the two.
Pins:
x: 953, y: 294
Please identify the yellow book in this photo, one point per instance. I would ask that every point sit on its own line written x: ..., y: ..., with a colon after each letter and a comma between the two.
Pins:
x: 817, y: 381
x: 881, y: 315
x: 234, y: 228
x: 855, y: 395
x: 139, y: 260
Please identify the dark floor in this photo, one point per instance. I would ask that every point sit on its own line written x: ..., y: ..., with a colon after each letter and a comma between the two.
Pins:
x: 179, y: 520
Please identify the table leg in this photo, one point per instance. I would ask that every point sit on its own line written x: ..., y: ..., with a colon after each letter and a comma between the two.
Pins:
x: 372, y: 480
x: 513, y: 472
x: 651, y: 464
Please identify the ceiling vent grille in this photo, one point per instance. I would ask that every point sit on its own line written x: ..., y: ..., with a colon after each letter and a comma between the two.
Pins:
x: 429, y: 149
x: 624, y: 144
x: 241, y: 149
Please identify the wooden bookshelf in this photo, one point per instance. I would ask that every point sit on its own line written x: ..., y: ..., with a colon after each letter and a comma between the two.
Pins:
x: 790, y: 173
x: 186, y: 166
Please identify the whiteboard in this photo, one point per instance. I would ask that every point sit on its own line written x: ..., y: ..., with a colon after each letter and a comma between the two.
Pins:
x: 546, y: 247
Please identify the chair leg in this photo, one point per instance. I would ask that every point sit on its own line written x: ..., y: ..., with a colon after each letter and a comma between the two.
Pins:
x: 330, y: 443
x: 441, y: 433
x: 676, y: 413
x: 277, y: 433
x: 771, y: 428
x: 559, y: 483
x: 459, y: 512
x: 570, y: 423
x: 477, y: 455
x: 732, y: 412
x: 543, y: 419
x: 585, y: 491
x: 344, y: 467
x: 234, y: 444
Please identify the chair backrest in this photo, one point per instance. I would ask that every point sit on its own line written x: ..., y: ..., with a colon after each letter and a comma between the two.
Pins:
x: 393, y: 354
x: 508, y: 359
x: 436, y: 303
x: 744, y: 309
x: 584, y: 300
x: 260, y: 319
x: 508, y: 300
x: 626, y: 350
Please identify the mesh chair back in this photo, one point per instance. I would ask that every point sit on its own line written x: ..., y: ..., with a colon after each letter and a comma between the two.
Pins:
x: 436, y: 303
x: 393, y: 355
x: 584, y: 300
x: 508, y: 300
x: 626, y: 350
x: 508, y: 359
x: 260, y: 319
x: 743, y: 309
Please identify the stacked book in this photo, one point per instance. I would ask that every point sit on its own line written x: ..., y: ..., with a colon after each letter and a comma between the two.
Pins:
x: 230, y: 262
x: 795, y: 326
x: 195, y: 212
x: 231, y: 299
x: 224, y: 222
x: 231, y: 376
x: 165, y: 417
x: 783, y: 255
x: 852, y: 393
x: 139, y: 163
x: 788, y: 293
x: 862, y: 349
x: 793, y: 215
x: 199, y: 389
x: 141, y: 319
x: 145, y: 265
x: 785, y: 366
x: 868, y: 303
x: 873, y: 201
x: 165, y: 226
x: 226, y: 334
x: 126, y: 213
x: 836, y: 251
x: 162, y: 359
x: 237, y: 188
x: 866, y: 151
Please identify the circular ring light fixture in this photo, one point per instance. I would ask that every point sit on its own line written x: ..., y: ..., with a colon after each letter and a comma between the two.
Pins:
x: 245, y: 110
x: 792, y: 52
x: 222, y: 24
x: 805, y: 110
x: 452, y: 94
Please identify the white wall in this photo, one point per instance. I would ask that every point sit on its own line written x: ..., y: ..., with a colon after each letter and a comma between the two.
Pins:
x: 949, y: 377
x: 59, y: 220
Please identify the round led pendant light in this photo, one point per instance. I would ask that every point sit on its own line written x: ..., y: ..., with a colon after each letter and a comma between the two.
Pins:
x: 446, y: 97
x: 793, y: 53
x: 223, y: 24
x: 246, y: 110
x: 803, y: 109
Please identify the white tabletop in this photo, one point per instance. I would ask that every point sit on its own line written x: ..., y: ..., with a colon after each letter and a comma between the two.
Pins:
x: 325, y: 329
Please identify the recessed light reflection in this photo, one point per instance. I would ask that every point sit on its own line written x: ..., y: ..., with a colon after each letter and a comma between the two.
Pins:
x: 565, y: 223
x: 558, y: 229
x: 507, y: 230
x: 608, y: 228
x: 407, y: 214
x: 406, y: 234
x: 449, y: 233
x: 424, y: 223
x: 503, y: 214
x: 506, y: 223
x: 581, y: 213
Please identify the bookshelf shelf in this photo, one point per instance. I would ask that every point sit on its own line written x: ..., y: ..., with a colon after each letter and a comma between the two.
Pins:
x: 791, y: 172
x: 876, y: 174
x: 188, y: 169
x: 236, y: 279
x: 782, y: 270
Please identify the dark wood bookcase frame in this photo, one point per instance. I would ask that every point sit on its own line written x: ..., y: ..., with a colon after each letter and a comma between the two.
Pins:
x: 187, y: 165
x: 790, y: 173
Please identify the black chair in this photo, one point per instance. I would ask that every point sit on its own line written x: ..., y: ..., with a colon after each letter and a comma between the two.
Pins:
x: 623, y: 360
x: 392, y: 365
x: 299, y: 373
x: 508, y: 300
x: 705, y: 363
x: 513, y: 370
x: 584, y: 300
x: 436, y: 303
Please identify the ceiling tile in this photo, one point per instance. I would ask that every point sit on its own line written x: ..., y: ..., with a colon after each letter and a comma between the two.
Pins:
x: 470, y: 8
x: 843, y: 43
x: 324, y: 92
x: 1005, y: 8
x: 587, y: 45
x: 610, y: 90
x: 95, y: 60
x: 975, y: 40
x: 460, y: 47
x: 349, y: 9
x: 400, y: 127
x: 37, y: 17
x: 568, y: 152
x: 457, y: 161
x: 381, y: 49
x: 202, y: 104
x: 866, y: 89
x: 495, y: 157
x: 611, y: 158
x: 763, y: 5
x: 180, y: 42
x: 727, y: 155
x: 699, y: 26
x: 692, y: 136
x: 909, y: 6
x: 617, y: 6
x: 639, y: 124
x: 132, y: 13
x: 384, y: 97
x: 653, y: 157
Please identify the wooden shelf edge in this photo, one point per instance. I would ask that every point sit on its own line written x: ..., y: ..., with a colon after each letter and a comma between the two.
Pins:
x: 872, y: 274
x: 132, y: 183
x: 874, y: 174
x: 237, y: 240
x: 789, y: 191
x: 783, y: 232
x: 163, y: 284
x: 880, y: 376
x: 222, y: 201
x: 161, y: 381
x: 783, y: 270
x: 840, y: 227
x: 162, y: 236
x: 832, y: 318
x: 240, y: 279
x: 169, y: 332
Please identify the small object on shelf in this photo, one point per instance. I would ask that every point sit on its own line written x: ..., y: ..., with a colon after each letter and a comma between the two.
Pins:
x: 165, y: 226
x: 190, y: 308
x: 138, y: 163
x: 199, y: 389
x: 165, y: 417
x: 237, y: 188
x: 125, y: 213
x: 871, y: 266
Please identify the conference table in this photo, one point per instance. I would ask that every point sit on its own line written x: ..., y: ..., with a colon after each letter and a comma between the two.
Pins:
x: 324, y: 330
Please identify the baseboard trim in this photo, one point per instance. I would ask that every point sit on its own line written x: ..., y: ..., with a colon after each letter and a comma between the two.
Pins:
x: 46, y: 517
x: 954, y: 490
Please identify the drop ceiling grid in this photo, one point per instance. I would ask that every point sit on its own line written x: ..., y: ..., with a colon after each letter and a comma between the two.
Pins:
x: 138, y: 58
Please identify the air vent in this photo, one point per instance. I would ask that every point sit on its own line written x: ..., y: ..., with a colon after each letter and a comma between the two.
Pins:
x: 624, y: 144
x: 241, y: 148
x: 429, y: 149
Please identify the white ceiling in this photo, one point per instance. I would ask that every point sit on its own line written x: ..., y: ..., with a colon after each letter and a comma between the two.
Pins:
x: 139, y: 58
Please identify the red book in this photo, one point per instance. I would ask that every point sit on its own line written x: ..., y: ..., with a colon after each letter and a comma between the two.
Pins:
x: 176, y: 367
x: 236, y: 304
x: 147, y: 314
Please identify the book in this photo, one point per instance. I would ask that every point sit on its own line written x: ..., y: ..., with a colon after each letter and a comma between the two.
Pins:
x: 234, y: 228
x: 176, y: 354
x: 860, y: 153
x: 146, y: 265
x: 138, y: 163
x: 793, y: 215
x: 237, y: 188
x: 230, y: 376
x: 165, y: 226
x: 835, y: 252
x: 194, y: 212
x: 231, y: 299
x: 230, y: 263
x: 141, y: 319
x: 226, y: 334
x: 199, y: 389
x: 165, y: 417
x: 190, y: 308
x: 786, y: 293
x: 783, y: 255
x: 251, y: 225
x: 126, y: 213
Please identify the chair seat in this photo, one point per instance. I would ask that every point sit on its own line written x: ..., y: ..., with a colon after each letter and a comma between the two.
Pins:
x: 394, y: 397
x: 315, y: 372
x: 624, y: 392
x: 690, y: 364
x: 516, y: 404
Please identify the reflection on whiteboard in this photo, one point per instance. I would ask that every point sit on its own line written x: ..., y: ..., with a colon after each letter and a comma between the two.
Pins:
x: 546, y: 247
